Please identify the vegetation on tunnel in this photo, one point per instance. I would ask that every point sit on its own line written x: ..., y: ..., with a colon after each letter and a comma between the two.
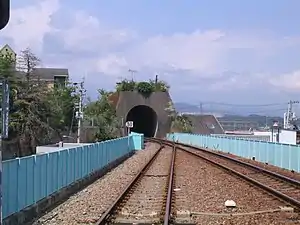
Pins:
x: 143, y: 87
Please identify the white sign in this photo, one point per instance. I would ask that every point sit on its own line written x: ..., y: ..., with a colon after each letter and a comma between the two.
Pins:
x: 129, y: 124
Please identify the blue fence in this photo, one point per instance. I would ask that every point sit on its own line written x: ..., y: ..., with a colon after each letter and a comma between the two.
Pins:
x: 138, y: 141
x: 281, y: 155
x: 30, y: 179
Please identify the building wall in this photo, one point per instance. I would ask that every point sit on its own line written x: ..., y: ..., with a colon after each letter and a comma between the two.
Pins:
x: 285, y: 136
x: 246, y: 137
x: 288, y: 137
x: 50, y: 85
x: 7, y: 51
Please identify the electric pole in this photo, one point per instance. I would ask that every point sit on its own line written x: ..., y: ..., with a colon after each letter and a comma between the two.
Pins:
x: 201, y: 108
x: 79, y: 113
x: 156, y: 81
x: 289, y: 116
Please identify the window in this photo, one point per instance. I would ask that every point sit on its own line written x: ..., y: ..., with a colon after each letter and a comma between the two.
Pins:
x: 60, y: 81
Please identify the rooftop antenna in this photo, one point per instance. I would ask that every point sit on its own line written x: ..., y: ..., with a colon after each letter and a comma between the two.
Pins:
x: 132, y: 73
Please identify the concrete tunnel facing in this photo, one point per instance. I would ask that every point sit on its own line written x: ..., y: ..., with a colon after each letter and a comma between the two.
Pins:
x: 144, y: 119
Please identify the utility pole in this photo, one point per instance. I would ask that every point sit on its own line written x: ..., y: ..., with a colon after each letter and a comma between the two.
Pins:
x: 289, y: 116
x: 132, y: 73
x: 79, y: 113
x: 201, y: 108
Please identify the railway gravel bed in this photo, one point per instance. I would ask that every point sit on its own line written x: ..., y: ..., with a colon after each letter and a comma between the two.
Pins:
x: 87, y: 206
x: 279, y: 185
x: 147, y: 199
x: 276, y: 169
x: 202, y: 188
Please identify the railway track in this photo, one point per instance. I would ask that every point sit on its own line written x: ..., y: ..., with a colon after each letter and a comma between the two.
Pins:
x: 151, y: 197
x: 282, y: 187
x: 147, y: 198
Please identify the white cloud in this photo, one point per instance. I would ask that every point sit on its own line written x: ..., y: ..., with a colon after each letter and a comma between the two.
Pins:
x: 28, y: 25
x: 87, y: 33
x: 191, y: 56
x: 111, y: 65
x: 287, y: 81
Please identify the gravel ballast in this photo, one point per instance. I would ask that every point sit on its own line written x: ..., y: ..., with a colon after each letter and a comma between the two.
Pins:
x: 276, y: 169
x: 203, y: 189
x: 147, y: 199
x: 268, y: 166
x: 87, y: 206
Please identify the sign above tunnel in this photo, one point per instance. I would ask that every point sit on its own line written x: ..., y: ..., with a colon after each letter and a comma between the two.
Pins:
x: 129, y: 124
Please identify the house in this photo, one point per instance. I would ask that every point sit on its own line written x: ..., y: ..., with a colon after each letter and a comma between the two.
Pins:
x: 53, y: 76
x: 8, y: 51
x: 205, y: 124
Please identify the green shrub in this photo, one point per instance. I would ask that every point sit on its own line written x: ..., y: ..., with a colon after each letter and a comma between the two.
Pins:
x: 145, y: 89
x: 126, y: 85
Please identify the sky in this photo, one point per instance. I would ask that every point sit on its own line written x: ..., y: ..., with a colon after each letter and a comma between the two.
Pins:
x: 241, y: 52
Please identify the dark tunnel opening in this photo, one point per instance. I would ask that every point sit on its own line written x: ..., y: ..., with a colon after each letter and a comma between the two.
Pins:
x: 144, y: 120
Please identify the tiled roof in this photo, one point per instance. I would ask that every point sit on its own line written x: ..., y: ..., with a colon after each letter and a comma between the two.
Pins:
x: 50, y: 73
x: 46, y: 73
x: 205, y: 124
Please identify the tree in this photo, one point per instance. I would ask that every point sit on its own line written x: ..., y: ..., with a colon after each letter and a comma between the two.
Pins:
x: 38, y: 114
x: 31, y: 108
x: 180, y: 123
x: 8, y: 72
x: 103, y: 113
x: 62, y: 101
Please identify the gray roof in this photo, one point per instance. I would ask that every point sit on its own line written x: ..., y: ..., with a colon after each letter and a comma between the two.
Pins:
x: 50, y: 73
x: 205, y: 124
x: 46, y: 73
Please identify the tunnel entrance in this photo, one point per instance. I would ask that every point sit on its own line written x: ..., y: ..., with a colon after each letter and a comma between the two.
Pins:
x: 144, y: 120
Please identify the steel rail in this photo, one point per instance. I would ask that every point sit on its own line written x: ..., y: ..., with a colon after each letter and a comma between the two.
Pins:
x: 280, y: 195
x: 168, y: 211
x: 278, y: 176
x: 276, y: 193
x: 104, y: 217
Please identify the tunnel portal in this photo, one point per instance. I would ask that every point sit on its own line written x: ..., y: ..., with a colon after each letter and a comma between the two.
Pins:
x: 144, y: 120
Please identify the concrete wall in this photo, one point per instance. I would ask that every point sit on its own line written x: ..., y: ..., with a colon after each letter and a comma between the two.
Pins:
x: 158, y: 101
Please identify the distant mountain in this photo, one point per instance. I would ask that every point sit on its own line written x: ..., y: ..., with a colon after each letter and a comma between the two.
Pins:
x: 262, y: 121
x: 185, y: 107
x: 221, y: 110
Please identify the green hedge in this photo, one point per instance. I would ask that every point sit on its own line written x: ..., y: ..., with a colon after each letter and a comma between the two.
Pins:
x: 144, y: 88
